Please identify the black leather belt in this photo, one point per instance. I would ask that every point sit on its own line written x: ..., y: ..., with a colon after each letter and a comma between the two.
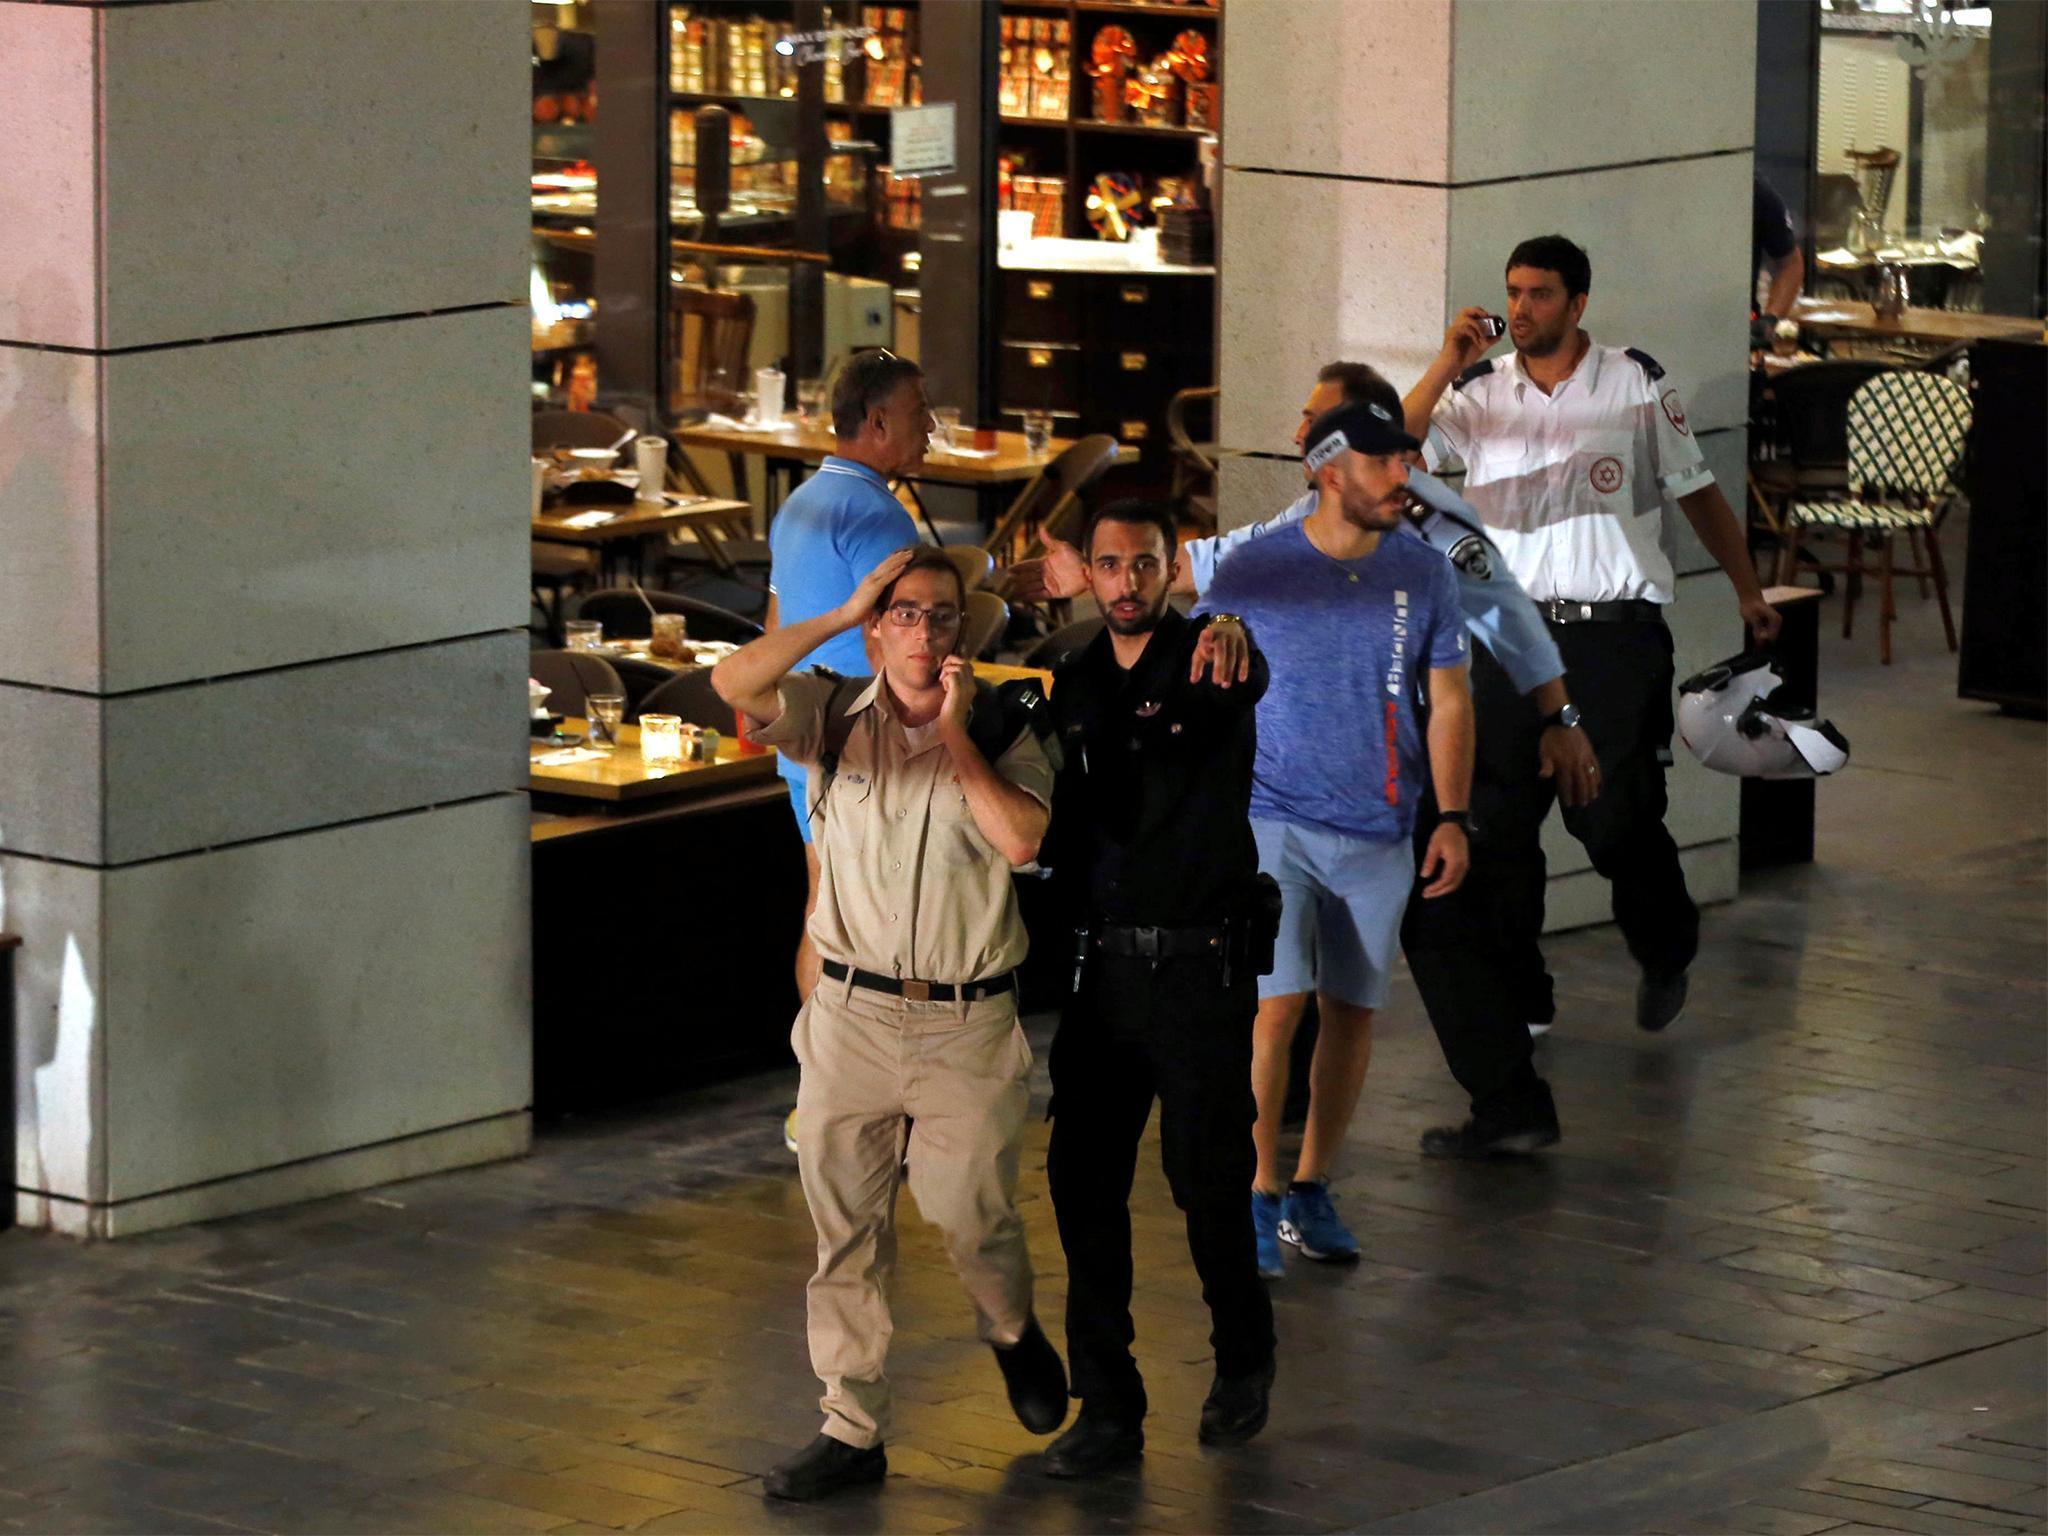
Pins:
x: 1628, y: 610
x: 1159, y: 943
x: 922, y: 991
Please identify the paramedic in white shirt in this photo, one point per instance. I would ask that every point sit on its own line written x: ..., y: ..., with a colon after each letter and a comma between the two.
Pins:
x: 1570, y: 451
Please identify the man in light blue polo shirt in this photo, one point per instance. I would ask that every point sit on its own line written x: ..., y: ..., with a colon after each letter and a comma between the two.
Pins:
x: 835, y: 528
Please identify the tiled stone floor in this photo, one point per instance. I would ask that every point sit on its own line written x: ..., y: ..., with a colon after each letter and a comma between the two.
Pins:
x: 1784, y: 1275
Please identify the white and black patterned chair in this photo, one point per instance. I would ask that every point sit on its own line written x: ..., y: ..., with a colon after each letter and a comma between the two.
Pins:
x: 1906, y: 436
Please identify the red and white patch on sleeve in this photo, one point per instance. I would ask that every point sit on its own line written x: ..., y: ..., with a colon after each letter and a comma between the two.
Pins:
x: 1673, y: 411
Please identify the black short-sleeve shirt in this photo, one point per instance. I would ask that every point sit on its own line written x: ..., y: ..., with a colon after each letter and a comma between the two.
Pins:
x: 1151, y: 823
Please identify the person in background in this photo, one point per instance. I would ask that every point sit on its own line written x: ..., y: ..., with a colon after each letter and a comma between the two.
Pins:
x: 1154, y: 853
x: 1356, y: 626
x: 909, y: 1044
x: 1449, y: 939
x: 1570, y: 450
x: 833, y: 529
x: 1774, y: 247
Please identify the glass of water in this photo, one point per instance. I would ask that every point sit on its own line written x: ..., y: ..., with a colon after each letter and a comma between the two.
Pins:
x: 810, y: 401
x: 946, y: 427
x: 604, y: 711
x: 583, y: 634
x: 1037, y: 433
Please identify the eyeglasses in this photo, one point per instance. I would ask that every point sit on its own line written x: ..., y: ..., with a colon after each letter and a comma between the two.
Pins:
x: 943, y: 621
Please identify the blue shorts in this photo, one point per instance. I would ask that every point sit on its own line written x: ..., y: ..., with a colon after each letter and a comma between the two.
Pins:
x: 798, y: 792
x: 1340, y: 916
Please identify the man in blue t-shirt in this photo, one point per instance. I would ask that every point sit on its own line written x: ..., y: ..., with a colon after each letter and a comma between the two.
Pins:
x: 835, y: 528
x: 1359, y: 628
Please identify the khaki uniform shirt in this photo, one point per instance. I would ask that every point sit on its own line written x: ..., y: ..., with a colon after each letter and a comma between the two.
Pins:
x: 907, y: 885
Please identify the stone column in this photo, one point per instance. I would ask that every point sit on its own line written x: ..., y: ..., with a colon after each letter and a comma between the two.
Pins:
x: 262, y: 594
x: 1382, y: 157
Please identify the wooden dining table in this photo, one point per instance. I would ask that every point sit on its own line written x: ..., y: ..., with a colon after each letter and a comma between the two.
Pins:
x: 800, y: 443
x: 610, y: 527
x: 622, y: 776
x: 1939, y: 327
x: 638, y: 650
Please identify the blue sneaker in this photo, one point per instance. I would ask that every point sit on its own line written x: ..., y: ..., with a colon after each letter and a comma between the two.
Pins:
x: 1308, y: 1220
x: 1266, y: 1232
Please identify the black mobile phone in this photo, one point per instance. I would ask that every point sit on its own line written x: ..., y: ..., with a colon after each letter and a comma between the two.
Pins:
x: 1494, y: 326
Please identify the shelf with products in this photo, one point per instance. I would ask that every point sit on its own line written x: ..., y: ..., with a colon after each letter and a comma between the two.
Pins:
x: 724, y: 50
x: 1105, y: 340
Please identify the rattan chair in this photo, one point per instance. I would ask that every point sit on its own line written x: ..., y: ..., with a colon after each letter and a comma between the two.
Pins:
x: 1907, y: 431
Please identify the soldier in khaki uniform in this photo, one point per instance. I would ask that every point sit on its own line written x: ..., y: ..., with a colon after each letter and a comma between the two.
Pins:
x: 910, y: 1043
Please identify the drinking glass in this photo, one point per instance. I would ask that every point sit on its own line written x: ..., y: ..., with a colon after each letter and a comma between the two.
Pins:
x: 661, y: 740
x: 810, y: 401
x: 946, y: 427
x: 668, y: 635
x: 1037, y: 433
x: 604, y: 711
x: 583, y: 634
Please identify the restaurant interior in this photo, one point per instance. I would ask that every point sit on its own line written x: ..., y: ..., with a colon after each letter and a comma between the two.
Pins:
x: 398, y: 932
x: 1058, y: 210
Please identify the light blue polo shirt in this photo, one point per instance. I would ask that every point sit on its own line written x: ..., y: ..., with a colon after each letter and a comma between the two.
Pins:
x: 834, y: 528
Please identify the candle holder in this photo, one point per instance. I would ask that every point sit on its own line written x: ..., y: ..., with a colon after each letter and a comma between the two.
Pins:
x: 661, y: 741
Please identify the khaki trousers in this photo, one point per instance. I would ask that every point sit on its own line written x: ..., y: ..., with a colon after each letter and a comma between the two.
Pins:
x: 948, y: 1083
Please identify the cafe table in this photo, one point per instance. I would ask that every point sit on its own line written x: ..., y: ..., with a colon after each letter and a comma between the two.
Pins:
x: 622, y: 777
x: 798, y: 445
x: 611, y: 526
x: 1853, y: 319
x: 638, y: 650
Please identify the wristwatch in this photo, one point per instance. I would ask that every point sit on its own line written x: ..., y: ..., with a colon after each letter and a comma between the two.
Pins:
x: 1462, y: 820
x: 1226, y: 618
x: 1568, y: 718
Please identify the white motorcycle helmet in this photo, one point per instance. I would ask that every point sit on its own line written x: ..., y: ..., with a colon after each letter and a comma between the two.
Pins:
x: 1727, y: 718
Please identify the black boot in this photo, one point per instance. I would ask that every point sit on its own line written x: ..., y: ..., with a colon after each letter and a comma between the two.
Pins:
x: 823, y: 1468
x: 1100, y: 1439
x: 1235, y: 1409
x: 1036, y: 1380
x: 1527, y: 1125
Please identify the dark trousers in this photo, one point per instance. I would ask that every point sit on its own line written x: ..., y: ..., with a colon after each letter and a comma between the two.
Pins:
x: 1620, y: 675
x: 1458, y: 952
x: 1132, y: 1033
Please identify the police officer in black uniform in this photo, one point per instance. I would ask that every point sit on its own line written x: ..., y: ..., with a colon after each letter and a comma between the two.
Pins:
x: 1152, y: 843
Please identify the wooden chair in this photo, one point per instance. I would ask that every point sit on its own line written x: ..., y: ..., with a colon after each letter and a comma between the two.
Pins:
x: 1052, y: 497
x: 1907, y: 430
x: 1192, y: 492
x: 986, y: 618
x: 708, y: 337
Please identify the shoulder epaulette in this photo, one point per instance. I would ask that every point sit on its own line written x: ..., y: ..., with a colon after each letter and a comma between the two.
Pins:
x: 1650, y: 365
x: 1478, y: 370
